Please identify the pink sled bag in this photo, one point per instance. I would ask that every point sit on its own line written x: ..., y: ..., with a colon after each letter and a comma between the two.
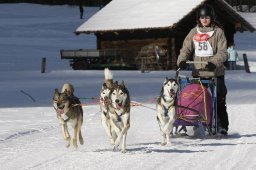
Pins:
x: 195, y: 103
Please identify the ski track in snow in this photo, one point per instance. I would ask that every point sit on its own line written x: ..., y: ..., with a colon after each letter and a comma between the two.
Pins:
x: 45, y: 149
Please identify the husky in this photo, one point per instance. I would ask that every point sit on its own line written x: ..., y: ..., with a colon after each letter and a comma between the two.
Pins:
x: 119, y: 115
x: 105, y: 102
x: 165, y: 109
x: 69, y: 111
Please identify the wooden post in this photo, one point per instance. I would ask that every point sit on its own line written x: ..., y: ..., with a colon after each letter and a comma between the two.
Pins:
x: 171, y: 58
x: 246, y: 65
x: 142, y: 67
x: 43, y: 64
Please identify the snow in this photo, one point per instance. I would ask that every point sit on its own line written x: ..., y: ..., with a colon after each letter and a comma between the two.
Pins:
x: 30, y: 136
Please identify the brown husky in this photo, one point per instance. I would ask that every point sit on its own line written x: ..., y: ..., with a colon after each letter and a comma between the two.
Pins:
x: 68, y: 109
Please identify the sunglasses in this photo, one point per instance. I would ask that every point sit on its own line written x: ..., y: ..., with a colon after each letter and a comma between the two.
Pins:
x: 205, y: 17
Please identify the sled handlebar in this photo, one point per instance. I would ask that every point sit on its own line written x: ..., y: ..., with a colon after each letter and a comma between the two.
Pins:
x: 196, y: 62
x: 188, y: 62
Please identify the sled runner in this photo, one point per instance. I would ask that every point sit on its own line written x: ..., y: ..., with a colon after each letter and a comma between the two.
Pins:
x: 196, y: 104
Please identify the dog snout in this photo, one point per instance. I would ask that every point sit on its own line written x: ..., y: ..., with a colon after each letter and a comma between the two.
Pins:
x: 60, y: 107
x: 172, y: 91
x: 117, y: 101
x: 106, y: 97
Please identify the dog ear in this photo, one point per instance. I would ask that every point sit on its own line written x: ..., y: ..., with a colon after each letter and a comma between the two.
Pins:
x: 66, y: 92
x: 162, y: 91
x: 166, y: 80
x: 69, y: 93
x: 104, y: 86
x: 174, y: 80
x: 122, y: 83
x: 56, y: 91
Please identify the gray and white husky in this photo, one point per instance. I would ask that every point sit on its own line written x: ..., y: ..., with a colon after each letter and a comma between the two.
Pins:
x: 105, y: 102
x: 115, y: 106
x: 69, y: 111
x: 119, y: 115
x: 166, y: 109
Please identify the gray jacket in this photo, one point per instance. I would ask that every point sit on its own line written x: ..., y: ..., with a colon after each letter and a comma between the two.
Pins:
x: 219, y: 45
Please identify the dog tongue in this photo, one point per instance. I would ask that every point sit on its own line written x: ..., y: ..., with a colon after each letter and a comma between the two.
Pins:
x: 118, y: 105
x: 172, y: 94
x: 106, y: 102
x: 61, y: 111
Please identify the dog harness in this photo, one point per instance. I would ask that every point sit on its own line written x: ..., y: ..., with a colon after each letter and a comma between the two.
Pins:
x: 118, y: 114
x: 166, y: 110
x: 63, y: 115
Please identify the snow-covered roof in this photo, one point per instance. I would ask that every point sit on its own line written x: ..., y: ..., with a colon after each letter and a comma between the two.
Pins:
x: 149, y: 14
x: 138, y: 14
x: 247, y: 20
x: 250, y: 17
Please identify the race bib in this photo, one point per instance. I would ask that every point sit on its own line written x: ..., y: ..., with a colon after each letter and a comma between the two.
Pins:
x: 202, y: 46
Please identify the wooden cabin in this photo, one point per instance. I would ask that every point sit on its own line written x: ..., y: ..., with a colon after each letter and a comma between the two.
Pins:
x: 129, y: 27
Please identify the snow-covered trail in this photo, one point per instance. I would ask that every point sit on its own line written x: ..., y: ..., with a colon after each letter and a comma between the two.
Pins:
x: 37, y: 143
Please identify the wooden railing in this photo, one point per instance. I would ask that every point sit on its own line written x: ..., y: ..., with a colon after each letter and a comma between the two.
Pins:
x: 98, y: 59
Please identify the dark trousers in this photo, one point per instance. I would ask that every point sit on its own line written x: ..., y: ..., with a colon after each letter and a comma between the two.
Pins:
x: 232, y: 65
x: 221, y: 102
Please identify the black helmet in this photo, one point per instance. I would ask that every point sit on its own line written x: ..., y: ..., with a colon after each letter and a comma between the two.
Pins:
x: 206, y: 10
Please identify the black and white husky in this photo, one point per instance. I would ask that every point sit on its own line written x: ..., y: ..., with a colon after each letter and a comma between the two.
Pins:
x: 166, y: 109
x: 119, y: 113
x: 105, y: 102
x: 115, y: 106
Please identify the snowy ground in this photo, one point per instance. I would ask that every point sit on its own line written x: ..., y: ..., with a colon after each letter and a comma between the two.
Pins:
x: 30, y: 137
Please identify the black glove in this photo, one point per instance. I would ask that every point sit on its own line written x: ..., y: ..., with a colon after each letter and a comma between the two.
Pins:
x: 183, y: 65
x: 210, y: 66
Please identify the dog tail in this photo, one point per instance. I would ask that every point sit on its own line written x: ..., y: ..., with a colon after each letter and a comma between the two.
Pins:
x: 69, y: 88
x: 108, y: 78
x: 108, y: 74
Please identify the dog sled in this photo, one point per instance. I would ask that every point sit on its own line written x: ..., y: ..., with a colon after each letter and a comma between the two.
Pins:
x: 196, y: 105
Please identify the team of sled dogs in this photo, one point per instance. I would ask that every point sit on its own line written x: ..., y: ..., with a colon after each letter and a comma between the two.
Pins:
x: 115, y: 108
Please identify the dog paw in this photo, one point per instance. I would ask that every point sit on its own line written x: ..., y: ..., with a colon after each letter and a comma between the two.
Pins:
x: 112, y: 142
x: 163, y: 143
x: 75, y: 146
x: 68, y: 144
x: 75, y: 143
x: 123, y: 151
x: 115, y: 149
x: 168, y: 144
x: 81, y: 140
